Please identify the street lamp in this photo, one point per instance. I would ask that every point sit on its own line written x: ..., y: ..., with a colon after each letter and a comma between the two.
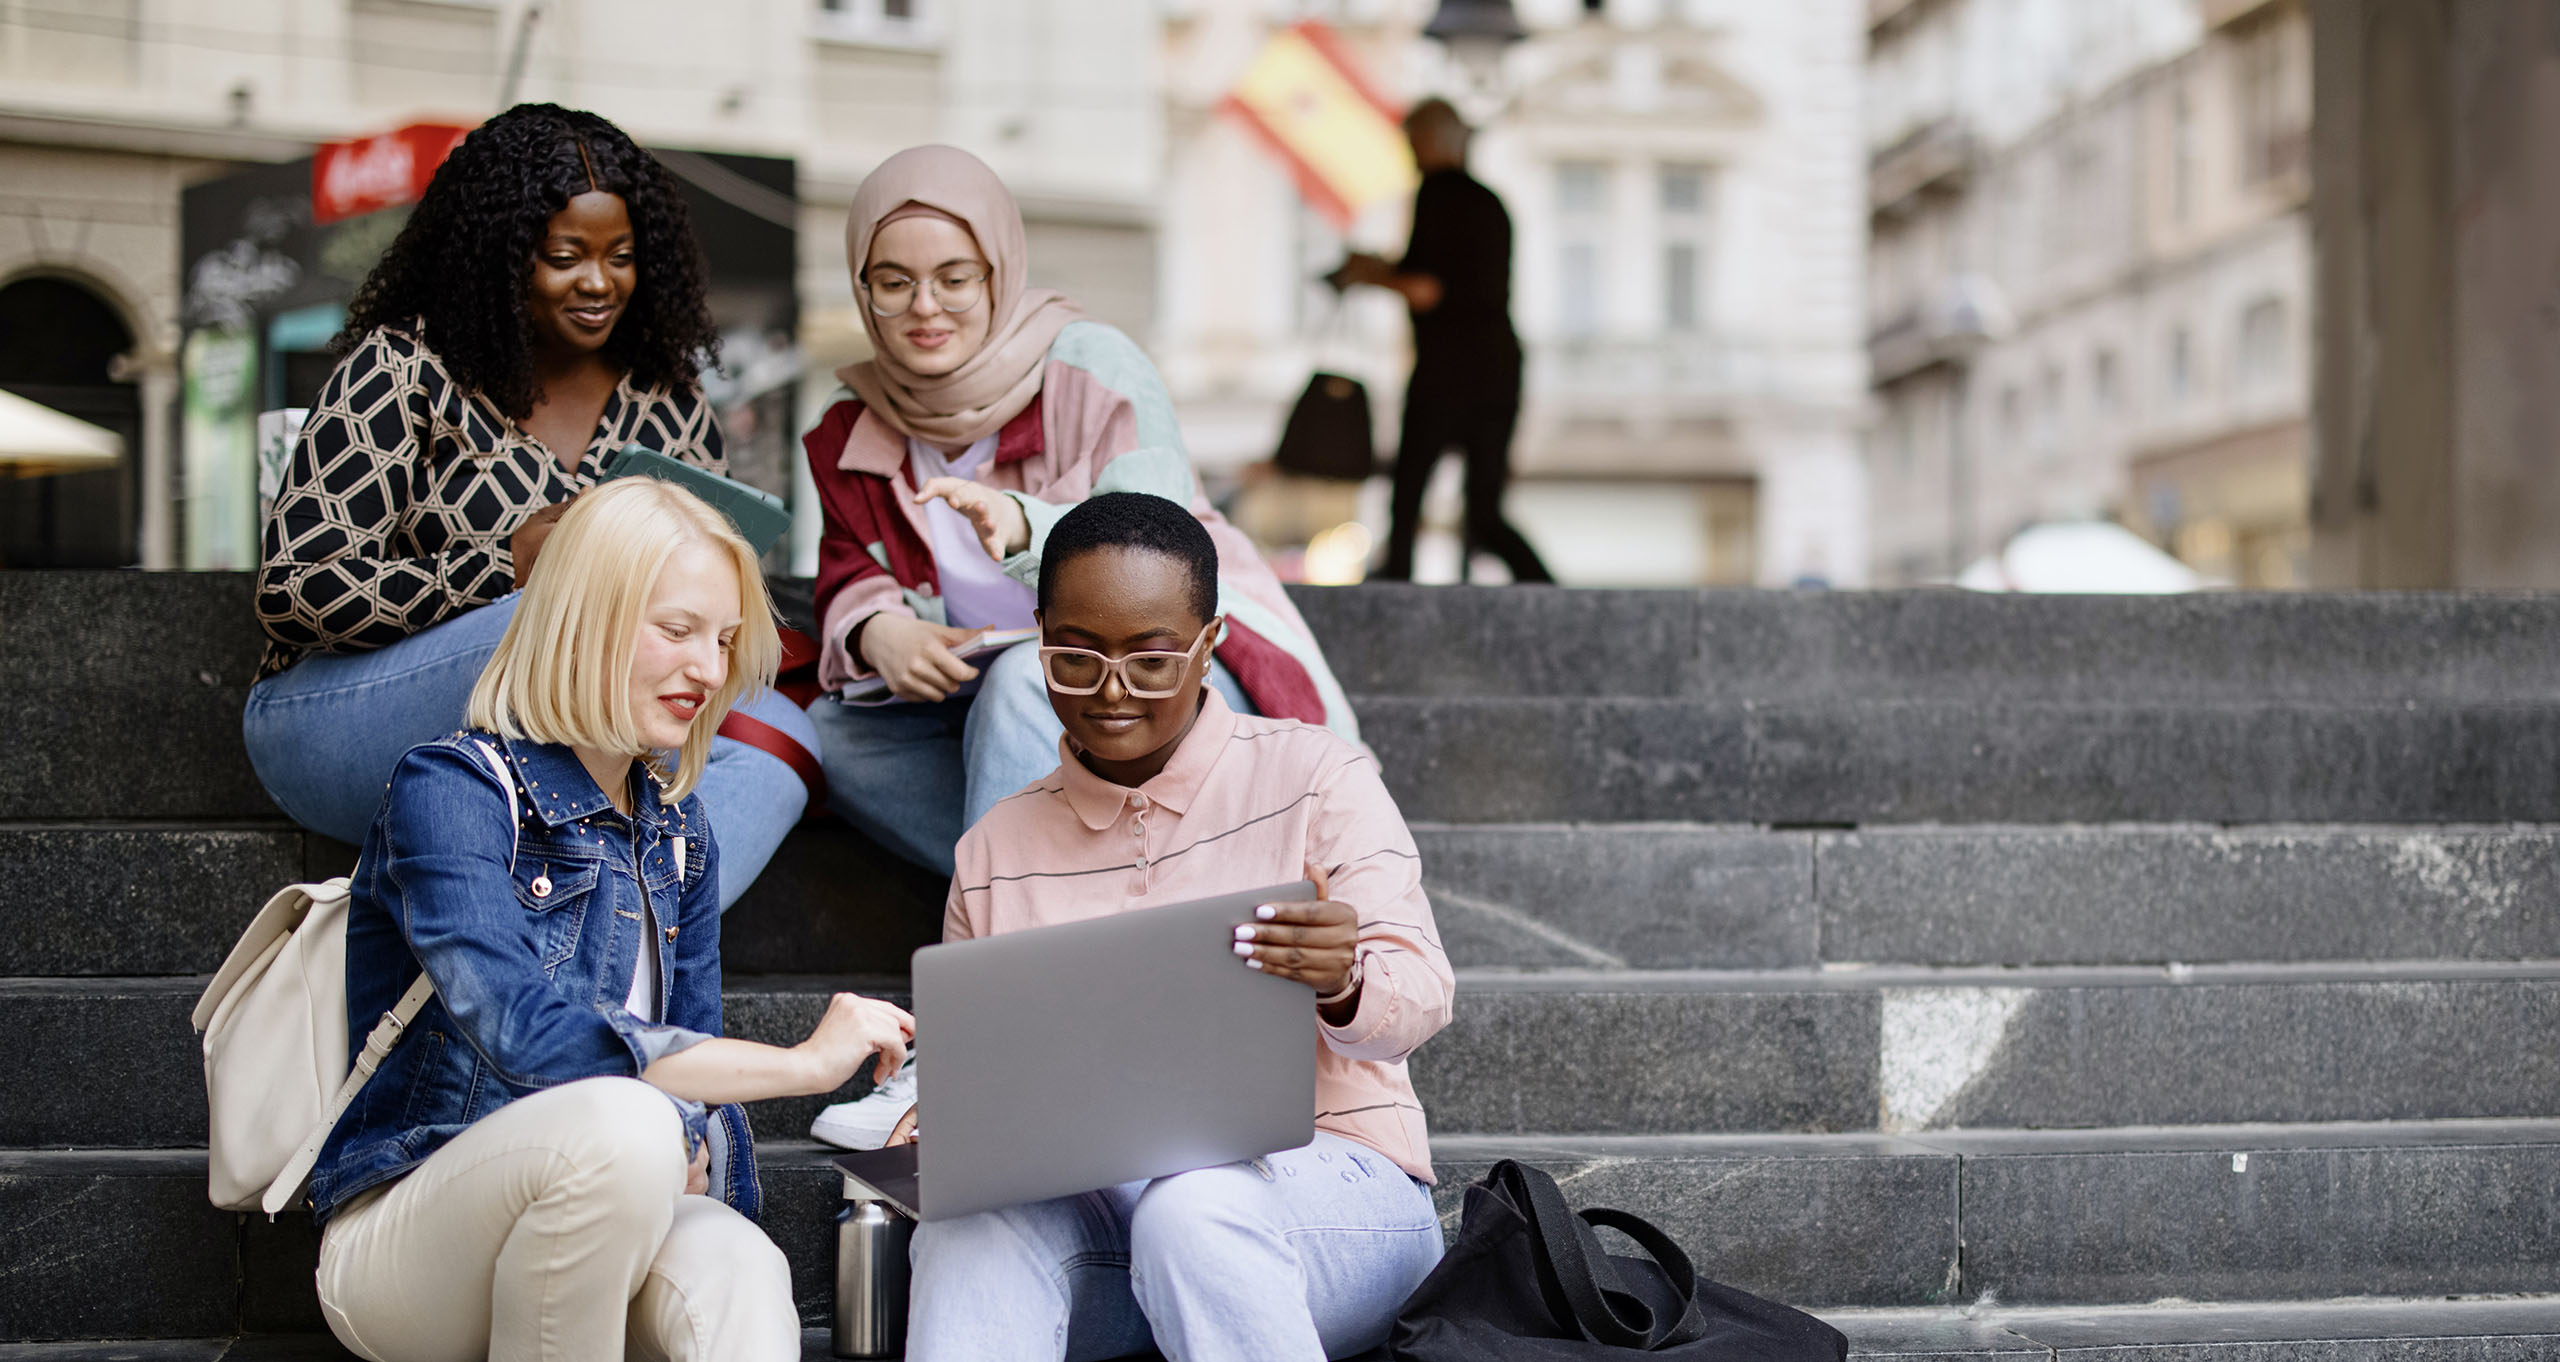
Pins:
x: 1476, y: 32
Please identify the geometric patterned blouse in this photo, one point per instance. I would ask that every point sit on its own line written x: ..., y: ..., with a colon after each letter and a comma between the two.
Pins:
x: 396, y: 507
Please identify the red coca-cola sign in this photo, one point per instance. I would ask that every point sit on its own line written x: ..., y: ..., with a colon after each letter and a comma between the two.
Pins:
x: 372, y: 173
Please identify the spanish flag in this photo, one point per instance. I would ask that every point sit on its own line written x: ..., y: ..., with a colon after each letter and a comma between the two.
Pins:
x: 1306, y: 99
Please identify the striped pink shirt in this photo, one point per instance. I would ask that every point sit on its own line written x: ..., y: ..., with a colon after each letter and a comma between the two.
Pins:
x: 1245, y: 802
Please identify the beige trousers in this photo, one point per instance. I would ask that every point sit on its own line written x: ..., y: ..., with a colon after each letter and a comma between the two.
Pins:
x: 553, y: 1228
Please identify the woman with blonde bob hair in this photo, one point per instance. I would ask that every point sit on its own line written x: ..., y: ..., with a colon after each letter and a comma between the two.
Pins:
x: 552, y: 1161
x: 608, y: 561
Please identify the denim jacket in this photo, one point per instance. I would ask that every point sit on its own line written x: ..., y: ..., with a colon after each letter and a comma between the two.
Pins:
x: 533, y: 963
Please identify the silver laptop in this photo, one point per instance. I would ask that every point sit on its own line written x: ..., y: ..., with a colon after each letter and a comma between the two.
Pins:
x: 1081, y: 1056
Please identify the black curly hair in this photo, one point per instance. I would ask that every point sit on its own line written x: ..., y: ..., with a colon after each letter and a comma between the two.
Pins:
x: 1135, y: 520
x: 465, y: 259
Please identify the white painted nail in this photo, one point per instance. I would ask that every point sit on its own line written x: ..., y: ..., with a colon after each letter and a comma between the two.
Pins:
x: 1244, y: 950
x: 1244, y: 933
x: 1266, y: 912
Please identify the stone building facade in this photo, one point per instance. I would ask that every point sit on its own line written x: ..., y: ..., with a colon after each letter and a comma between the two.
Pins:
x: 1683, y: 175
x: 110, y: 108
x: 1684, y: 186
x: 2090, y: 274
x: 2435, y: 204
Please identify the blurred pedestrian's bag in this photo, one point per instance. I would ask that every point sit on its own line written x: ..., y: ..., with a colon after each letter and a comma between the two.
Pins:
x: 274, y: 1024
x: 1329, y: 435
x: 1528, y: 1281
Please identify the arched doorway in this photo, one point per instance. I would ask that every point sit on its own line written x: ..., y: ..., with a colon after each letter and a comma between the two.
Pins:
x: 58, y: 344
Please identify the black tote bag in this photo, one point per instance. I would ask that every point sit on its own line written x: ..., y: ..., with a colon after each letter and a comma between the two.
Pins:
x: 1329, y: 435
x: 1528, y: 1281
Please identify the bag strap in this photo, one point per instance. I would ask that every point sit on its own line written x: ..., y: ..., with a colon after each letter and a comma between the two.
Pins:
x: 1675, y: 1265
x: 386, y: 1033
x: 1566, y: 1247
x: 1332, y: 337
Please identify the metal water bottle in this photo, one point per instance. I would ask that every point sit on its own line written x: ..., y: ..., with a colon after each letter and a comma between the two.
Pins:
x: 871, y: 1276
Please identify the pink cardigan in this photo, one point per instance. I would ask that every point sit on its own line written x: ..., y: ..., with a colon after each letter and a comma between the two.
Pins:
x: 1245, y: 802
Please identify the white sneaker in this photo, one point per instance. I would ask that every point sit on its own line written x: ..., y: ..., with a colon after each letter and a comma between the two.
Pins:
x: 865, y: 1123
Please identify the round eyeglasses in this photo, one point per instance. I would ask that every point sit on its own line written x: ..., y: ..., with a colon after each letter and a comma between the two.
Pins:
x: 954, y: 291
x: 1146, y: 676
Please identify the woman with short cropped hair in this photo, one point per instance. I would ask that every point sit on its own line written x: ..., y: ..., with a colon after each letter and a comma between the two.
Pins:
x: 551, y: 1162
x: 1163, y: 794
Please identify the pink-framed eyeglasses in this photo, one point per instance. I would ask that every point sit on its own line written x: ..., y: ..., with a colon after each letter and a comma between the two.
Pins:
x: 1147, y: 676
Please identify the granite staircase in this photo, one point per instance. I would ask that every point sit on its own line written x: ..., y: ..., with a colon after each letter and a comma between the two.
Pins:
x: 2000, y: 977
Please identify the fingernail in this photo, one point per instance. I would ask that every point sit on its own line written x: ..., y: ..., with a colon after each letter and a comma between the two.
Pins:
x: 1244, y: 950
x: 1266, y: 912
x: 1253, y: 964
x: 1245, y: 933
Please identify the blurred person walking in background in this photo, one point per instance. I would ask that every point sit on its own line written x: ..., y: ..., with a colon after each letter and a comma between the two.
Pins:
x: 542, y: 308
x: 1456, y: 280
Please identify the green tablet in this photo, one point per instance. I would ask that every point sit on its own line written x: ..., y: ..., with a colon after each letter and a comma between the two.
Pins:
x: 760, y: 516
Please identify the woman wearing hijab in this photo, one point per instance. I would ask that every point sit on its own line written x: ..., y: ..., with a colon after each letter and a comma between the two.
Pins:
x: 988, y: 410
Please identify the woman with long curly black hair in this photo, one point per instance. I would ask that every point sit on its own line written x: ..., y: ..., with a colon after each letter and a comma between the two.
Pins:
x: 543, y: 307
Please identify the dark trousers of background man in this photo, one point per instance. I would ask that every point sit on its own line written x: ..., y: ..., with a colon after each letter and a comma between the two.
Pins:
x: 1478, y: 421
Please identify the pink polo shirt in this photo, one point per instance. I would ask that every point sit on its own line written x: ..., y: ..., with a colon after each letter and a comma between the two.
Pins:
x: 1245, y: 802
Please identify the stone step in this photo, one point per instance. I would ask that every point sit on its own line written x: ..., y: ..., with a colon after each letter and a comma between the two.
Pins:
x: 1488, y: 706
x: 141, y: 898
x: 1943, y: 758
x: 129, y: 898
x: 112, y: 1063
x: 1390, y: 639
x: 1909, y: 1049
x: 1702, y: 896
x: 122, y: 1244
x: 2490, y: 1329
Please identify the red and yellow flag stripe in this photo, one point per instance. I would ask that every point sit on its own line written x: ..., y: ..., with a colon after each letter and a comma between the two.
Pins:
x: 1305, y: 98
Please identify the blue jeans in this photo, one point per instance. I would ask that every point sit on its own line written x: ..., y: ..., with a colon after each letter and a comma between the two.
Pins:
x: 324, y: 734
x: 1299, y: 1256
x: 913, y: 777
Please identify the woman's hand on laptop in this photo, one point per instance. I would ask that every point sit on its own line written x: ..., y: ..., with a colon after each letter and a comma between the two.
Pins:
x: 726, y: 1069
x: 1316, y: 943
x: 904, y: 1132
x: 854, y: 1029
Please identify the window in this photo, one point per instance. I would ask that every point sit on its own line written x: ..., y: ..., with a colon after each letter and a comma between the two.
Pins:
x: 1582, y: 187
x: 1581, y: 310
x: 2181, y: 365
x: 2103, y: 383
x: 892, y: 21
x: 1898, y: 438
x: 2274, y: 105
x: 1684, y: 190
x: 2182, y: 157
x: 2048, y: 446
x: 2263, y: 344
x: 1680, y: 286
x: 1582, y: 214
x: 2071, y: 208
x: 1682, y: 193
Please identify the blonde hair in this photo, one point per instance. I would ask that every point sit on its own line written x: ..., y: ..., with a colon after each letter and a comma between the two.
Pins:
x: 562, y: 672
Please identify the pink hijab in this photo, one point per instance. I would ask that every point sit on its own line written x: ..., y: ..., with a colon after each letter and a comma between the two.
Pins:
x: 976, y: 399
